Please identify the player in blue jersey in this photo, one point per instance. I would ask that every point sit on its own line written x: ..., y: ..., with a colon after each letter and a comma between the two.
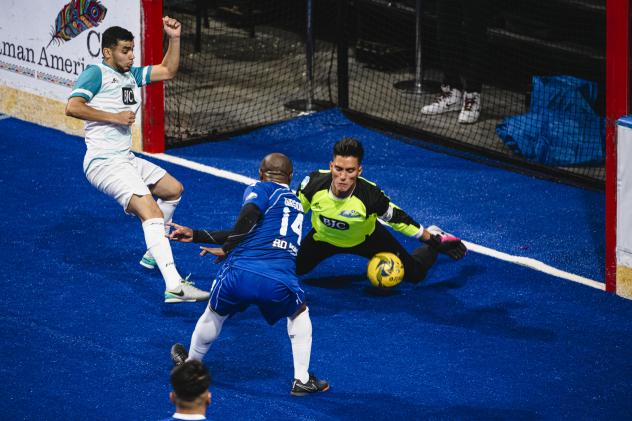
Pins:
x: 106, y: 96
x: 258, y: 258
x: 190, y: 395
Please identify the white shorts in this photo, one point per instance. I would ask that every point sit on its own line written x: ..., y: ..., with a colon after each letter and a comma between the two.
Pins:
x: 122, y: 177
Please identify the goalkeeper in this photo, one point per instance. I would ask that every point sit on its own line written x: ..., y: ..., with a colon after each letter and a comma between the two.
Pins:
x: 345, y: 213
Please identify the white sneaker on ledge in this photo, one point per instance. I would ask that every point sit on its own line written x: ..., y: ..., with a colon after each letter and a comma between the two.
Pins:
x: 448, y: 100
x: 471, y: 110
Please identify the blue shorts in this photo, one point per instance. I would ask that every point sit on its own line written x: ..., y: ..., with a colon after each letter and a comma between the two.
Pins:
x: 235, y: 289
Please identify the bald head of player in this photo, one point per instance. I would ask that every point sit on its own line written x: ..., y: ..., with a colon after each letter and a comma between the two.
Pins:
x: 276, y: 167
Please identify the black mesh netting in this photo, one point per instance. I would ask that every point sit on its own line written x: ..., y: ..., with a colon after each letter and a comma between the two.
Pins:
x: 241, y: 61
x: 527, y: 78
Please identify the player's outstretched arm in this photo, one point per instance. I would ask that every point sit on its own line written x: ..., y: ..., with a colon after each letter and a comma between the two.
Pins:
x: 170, y: 63
x: 400, y: 221
x: 447, y: 244
x: 247, y: 219
x: 188, y: 235
x: 77, y: 107
x: 218, y: 252
x: 180, y: 233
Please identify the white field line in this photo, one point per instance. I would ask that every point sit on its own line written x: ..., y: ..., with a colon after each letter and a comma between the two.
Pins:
x: 202, y: 168
x: 534, y: 264
x: 4, y: 117
x: 519, y: 260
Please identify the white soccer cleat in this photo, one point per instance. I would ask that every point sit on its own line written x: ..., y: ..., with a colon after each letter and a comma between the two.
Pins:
x: 186, y: 293
x: 471, y: 110
x: 448, y: 100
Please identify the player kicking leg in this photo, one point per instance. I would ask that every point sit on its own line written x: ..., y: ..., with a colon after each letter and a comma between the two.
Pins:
x: 168, y: 192
x: 127, y: 181
x: 177, y: 290
x: 106, y: 96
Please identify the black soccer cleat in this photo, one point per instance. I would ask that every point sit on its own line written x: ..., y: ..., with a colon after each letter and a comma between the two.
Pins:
x: 179, y: 354
x: 313, y: 385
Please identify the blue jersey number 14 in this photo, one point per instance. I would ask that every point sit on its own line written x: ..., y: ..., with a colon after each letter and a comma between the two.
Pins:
x: 296, y: 226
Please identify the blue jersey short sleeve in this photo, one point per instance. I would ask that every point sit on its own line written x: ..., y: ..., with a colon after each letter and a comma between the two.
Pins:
x: 141, y: 75
x: 257, y: 195
x: 88, y: 83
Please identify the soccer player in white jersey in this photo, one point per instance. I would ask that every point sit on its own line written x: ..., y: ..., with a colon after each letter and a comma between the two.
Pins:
x: 107, y: 97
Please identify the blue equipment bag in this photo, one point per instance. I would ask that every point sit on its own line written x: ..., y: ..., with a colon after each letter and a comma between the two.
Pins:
x: 561, y: 127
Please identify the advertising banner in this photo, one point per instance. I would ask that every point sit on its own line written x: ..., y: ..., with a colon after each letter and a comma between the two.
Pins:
x: 46, y: 44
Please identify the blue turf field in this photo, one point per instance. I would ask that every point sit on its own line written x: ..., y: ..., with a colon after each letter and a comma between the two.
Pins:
x: 86, y: 335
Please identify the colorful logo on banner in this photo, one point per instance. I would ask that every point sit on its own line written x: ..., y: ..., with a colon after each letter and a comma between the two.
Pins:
x: 75, y: 17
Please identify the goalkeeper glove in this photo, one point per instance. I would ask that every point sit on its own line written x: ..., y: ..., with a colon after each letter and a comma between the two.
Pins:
x: 447, y: 244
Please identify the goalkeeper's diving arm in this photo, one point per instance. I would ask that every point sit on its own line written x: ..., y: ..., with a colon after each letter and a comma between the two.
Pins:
x: 442, y: 242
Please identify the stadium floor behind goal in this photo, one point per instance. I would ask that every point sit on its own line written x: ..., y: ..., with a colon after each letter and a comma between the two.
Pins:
x: 85, y: 334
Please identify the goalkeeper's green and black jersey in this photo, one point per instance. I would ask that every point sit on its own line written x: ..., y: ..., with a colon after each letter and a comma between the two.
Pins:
x: 347, y: 222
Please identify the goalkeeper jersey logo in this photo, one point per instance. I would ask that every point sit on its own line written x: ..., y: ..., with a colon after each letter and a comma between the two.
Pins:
x: 334, y: 223
x: 350, y: 213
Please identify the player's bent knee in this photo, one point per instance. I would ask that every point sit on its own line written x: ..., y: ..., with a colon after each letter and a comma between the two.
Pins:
x: 176, y: 191
x: 180, y: 189
x: 145, y: 207
x: 167, y: 188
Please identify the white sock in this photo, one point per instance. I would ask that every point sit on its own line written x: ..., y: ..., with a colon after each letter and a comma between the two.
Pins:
x: 206, y: 331
x: 300, y: 333
x: 168, y: 207
x: 160, y: 249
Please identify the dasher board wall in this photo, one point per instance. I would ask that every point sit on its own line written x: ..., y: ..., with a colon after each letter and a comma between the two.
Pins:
x: 624, y: 207
x: 44, y: 48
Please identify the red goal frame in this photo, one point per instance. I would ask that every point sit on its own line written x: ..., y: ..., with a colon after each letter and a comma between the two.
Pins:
x: 617, y: 103
x: 153, y: 124
x: 617, y: 106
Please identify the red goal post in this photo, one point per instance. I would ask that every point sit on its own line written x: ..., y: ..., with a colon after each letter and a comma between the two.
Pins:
x: 617, y: 105
x: 153, y: 117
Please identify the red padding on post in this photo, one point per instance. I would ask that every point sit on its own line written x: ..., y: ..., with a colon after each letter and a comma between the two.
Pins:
x: 617, y: 105
x: 154, y: 94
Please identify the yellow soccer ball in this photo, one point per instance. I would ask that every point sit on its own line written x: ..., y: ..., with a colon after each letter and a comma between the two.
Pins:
x: 385, y: 270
